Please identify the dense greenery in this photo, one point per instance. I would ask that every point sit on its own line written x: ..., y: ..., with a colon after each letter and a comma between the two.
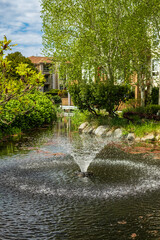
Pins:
x: 34, y: 110
x: 61, y: 93
x: 148, y: 112
x: 56, y: 95
x: 155, y: 95
x: 14, y: 60
x: 138, y: 127
x: 21, y: 104
x: 103, y: 40
x: 98, y: 96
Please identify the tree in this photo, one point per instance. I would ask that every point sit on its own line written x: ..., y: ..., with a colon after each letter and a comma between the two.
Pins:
x: 86, y: 33
x: 15, y: 59
x: 11, y: 89
x: 93, y: 97
x: 111, y: 35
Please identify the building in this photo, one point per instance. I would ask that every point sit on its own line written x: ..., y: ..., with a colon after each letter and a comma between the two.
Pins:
x: 49, y: 70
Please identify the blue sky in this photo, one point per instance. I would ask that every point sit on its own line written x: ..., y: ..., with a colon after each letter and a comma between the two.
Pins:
x: 20, y: 21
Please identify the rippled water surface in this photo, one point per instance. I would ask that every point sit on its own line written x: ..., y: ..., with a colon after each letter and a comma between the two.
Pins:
x: 42, y: 198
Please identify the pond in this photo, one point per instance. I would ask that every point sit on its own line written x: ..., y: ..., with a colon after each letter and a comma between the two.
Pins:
x: 42, y: 197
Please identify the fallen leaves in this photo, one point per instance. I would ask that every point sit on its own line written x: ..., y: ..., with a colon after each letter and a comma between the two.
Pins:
x: 153, y: 232
x: 122, y: 222
x: 133, y: 235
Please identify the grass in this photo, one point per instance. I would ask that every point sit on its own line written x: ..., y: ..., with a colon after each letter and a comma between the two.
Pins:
x: 144, y: 128
x: 78, y: 118
x: 139, y: 128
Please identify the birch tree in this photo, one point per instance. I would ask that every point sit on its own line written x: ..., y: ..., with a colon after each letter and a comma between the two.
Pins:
x: 113, y: 35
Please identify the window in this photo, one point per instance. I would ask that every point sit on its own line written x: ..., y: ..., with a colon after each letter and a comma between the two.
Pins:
x: 155, y: 67
x: 46, y: 67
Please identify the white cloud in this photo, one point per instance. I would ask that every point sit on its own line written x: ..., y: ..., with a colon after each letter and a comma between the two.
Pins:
x: 20, y: 21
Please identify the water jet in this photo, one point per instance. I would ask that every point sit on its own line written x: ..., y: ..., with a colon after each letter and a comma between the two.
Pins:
x: 84, y: 174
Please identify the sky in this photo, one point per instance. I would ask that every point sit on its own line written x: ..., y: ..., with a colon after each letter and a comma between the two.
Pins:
x: 20, y: 21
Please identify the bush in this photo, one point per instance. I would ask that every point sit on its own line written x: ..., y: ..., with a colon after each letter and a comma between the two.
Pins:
x: 63, y: 93
x: 97, y: 96
x: 148, y: 112
x: 78, y: 118
x: 53, y: 92
x: 33, y: 110
x: 154, y: 95
x: 57, y: 99
x: 54, y: 96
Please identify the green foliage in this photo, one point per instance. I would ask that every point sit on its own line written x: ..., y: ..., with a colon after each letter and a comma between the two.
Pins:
x: 57, y: 99
x: 39, y: 109
x: 113, y: 35
x: 132, y: 103
x: 22, y: 106
x: 155, y: 95
x: 53, y: 92
x: 143, y: 128
x: 150, y: 109
x: 53, y: 95
x: 148, y: 112
x: 97, y: 96
x: 56, y: 95
x: 79, y: 117
x: 13, y: 91
x: 63, y: 93
x: 14, y: 60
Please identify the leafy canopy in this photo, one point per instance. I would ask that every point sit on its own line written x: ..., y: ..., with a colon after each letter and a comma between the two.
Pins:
x: 114, y: 35
x: 11, y: 89
x: 15, y: 59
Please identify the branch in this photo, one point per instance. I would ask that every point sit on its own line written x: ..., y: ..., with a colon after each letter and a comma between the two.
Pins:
x: 22, y: 113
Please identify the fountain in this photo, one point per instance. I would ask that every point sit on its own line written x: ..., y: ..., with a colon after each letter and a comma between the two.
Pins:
x: 89, y: 146
x: 40, y: 197
x: 84, y: 174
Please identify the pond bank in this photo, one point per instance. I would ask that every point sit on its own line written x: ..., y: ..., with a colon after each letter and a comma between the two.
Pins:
x: 149, y: 145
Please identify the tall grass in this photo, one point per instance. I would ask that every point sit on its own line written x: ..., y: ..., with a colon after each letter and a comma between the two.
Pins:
x: 139, y: 128
x: 78, y: 118
x: 143, y: 128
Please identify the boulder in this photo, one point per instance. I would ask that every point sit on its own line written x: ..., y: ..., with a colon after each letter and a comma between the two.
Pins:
x: 109, y: 133
x: 137, y: 139
x: 83, y: 126
x: 149, y: 137
x: 118, y: 133
x: 101, y: 131
x: 88, y: 129
x: 131, y: 137
x: 158, y: 137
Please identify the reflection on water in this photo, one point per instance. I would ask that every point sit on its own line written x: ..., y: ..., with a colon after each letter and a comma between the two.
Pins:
x: 42, y: 198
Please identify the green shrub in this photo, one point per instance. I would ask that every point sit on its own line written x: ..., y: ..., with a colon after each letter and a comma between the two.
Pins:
x: 148, y: 112
x: 154, y: 95
x: 79, y: 117
x: 142, y: 129
x: 63, y: 93
x: 36, y: 109
x: 97, y: 96
x: 152, y: 109
x: 57, y: 99
x: 53, y: 92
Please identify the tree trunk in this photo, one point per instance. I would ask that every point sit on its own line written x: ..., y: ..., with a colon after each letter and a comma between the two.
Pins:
x: 142, y: 88
x: 159, y: 97
x: 142, y: 96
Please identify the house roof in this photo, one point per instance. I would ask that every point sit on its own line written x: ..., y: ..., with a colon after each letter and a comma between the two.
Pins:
x: 38, y: 60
